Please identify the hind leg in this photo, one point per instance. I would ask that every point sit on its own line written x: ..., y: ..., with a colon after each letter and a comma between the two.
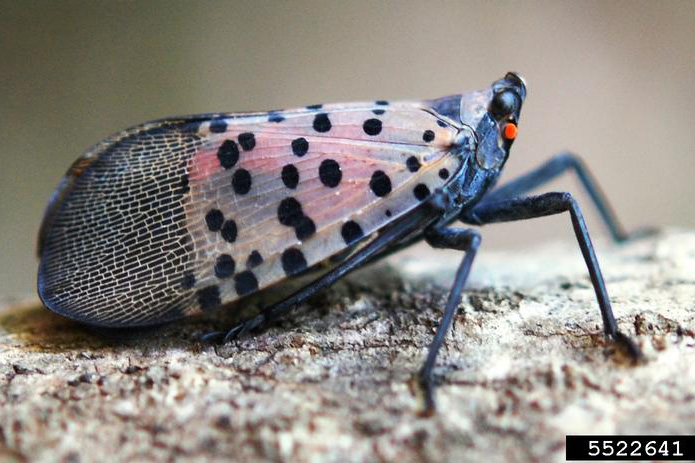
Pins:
x: 507, y: 210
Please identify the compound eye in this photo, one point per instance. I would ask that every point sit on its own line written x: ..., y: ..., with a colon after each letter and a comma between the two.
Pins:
x: 503, y: 104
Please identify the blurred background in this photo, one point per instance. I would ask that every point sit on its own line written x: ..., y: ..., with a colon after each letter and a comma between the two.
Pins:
x: 612, y: 81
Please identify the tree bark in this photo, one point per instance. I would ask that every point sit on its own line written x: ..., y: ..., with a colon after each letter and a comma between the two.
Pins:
x: 525, y: 364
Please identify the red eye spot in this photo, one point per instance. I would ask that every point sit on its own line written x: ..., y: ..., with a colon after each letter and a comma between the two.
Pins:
x: 509, y: 131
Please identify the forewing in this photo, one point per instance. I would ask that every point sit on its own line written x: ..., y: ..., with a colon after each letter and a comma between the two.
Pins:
x: 181, y: 216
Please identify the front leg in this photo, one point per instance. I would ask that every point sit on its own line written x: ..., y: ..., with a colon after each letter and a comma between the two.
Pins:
x: 507, y: 210
x: 461, y: 240
x: 548, y: 171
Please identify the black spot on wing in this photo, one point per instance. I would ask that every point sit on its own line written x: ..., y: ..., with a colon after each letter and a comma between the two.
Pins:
x: 245, y: 282
x: 322, y: 123
x: 214, y: 220
x: 372, y: 127
x: 218, y: 126
x: 421, y: 191
x: 305, y: 228
x: 275, y: 117
x: 229, y: 231
x: 330, y: 173
x: 228, y: 154
x: 290, y: 212
x: 209, y: 297
x: 300, y: 146
x: 241, y: 181
x: 224, y: 266
x: 413, y: 164
x: 247, y: 141
x: 351, y: 232
x: 254, y: 260
x: 380, y: 183
x: 290, y: 176
x: 293, y: 261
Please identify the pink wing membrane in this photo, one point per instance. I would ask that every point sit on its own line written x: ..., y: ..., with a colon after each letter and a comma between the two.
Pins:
x: 407, y: 147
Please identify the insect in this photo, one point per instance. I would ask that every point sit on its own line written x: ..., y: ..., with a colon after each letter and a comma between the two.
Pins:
x: 181, y: 216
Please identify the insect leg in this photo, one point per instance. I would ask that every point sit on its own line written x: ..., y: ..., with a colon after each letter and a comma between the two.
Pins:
x: 411, y: 223
x: 553, y: 168
x: 462, y: 240
x: 507, y: 210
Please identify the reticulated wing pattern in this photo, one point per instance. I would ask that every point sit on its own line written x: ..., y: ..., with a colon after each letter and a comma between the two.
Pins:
x: 115, y: 241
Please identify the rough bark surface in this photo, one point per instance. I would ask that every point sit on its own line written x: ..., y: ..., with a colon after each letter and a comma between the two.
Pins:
x: 525, y: 365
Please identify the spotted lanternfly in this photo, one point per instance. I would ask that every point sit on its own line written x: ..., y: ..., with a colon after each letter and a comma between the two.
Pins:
x: 179, y: 216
